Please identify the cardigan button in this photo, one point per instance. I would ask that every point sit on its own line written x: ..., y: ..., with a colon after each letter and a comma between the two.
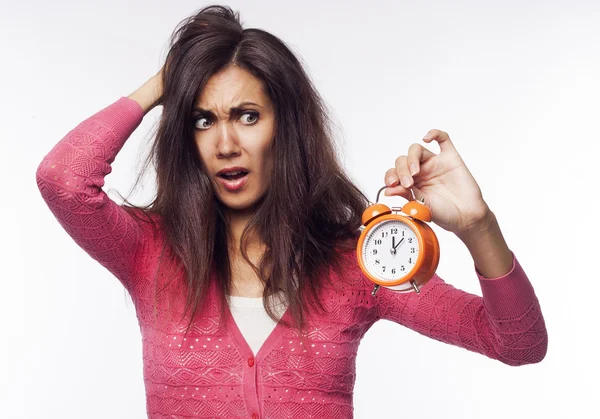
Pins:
x: 251, y: 363
x: 254, y: 415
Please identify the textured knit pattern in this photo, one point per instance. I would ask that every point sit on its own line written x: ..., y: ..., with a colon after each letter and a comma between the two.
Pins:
x: 212, y: 372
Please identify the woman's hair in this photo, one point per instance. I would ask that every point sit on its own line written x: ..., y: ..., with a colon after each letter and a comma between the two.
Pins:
x: 311, y: 211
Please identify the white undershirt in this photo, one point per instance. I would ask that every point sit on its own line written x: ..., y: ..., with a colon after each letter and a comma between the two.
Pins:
x: 252, y: 319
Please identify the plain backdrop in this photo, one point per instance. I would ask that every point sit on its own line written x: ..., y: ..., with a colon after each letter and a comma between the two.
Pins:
x: 515, y: 84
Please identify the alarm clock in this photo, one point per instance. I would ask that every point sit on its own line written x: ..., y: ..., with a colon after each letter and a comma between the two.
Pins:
x: 399, y: 252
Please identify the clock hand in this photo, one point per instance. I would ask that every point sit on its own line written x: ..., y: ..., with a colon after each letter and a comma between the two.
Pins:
x: 400, y: 242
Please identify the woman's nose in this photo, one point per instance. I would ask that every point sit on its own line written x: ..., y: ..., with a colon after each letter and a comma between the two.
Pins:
x: 227, y: 144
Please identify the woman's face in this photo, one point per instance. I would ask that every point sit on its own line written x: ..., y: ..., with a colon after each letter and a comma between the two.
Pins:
x: 234, y: 128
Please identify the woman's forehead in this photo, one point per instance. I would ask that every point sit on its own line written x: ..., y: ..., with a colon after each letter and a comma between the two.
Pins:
x: 231, y: 87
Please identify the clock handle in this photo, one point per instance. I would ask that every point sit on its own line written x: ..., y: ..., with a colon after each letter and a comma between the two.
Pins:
x: 397, y: 209
x: 378, y: 192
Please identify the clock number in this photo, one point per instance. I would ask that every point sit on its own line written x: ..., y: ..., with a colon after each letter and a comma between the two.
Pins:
x: 384, y: 234
x: 378, y: 241
x: 374, y: 251
x: 383, y: 268
x: 394, y: 231
x: 412, y: 250
x: 393, y: 271
x: 376, y: 261
x: 410, y: 239
x: 402, y: 268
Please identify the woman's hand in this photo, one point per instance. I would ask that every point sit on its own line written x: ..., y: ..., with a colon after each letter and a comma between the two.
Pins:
x: 150, y: 93
x: 443, y: 181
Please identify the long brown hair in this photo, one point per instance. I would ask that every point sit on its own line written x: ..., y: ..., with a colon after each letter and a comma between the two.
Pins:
x: 311, y: 210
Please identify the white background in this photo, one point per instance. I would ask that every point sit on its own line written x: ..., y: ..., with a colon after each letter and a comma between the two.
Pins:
x: 516, y: 85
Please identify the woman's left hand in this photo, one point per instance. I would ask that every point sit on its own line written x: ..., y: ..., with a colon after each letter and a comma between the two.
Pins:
x: 443, y: 181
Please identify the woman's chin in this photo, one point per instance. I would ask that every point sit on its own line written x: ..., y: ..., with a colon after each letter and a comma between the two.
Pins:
x: 241, y: 206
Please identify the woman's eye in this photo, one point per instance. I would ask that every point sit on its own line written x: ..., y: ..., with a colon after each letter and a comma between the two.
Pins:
x: 202, y: 123
x: 250, y: 118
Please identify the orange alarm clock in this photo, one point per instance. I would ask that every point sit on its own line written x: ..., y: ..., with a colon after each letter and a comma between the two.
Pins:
x: 399, y: 252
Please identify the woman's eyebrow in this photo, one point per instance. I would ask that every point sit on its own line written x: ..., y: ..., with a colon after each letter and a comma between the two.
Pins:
x: 233, y: 110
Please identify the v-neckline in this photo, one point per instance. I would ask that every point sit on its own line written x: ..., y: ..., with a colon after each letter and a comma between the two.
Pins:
x: 269, y: 341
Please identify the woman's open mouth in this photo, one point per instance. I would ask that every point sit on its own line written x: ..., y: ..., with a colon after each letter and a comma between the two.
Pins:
x: 234, y: 180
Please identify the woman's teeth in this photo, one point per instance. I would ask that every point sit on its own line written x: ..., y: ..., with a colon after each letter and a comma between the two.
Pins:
x: 233, y: 175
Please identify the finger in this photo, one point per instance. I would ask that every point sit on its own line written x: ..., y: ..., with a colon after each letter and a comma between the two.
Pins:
x: 399, y: 190
x: 393, y: 187
x: 391, y: 178
x: 417, y: 154
x: 402, y: 171
x: 442, y: 138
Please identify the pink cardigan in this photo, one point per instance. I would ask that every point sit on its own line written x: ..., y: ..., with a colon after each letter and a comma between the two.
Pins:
x: 212, y: 372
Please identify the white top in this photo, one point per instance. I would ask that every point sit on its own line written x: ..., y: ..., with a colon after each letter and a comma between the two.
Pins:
x: 252, y: 319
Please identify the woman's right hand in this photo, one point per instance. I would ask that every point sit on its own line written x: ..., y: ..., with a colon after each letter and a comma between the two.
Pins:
x: 150, y: 93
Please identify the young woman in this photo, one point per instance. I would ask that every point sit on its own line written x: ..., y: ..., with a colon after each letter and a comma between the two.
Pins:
x: 242, y: 270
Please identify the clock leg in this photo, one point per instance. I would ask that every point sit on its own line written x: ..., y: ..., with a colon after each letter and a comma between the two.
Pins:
x: 415, y: 287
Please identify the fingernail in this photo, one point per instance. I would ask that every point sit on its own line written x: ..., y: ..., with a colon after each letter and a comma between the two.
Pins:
x: 413, y: 168
x: 406, y: 181
x: 391, y: 180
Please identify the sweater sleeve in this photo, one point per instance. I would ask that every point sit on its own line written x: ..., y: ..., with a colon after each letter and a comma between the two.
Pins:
x: 70, y: 179
x: 505, y: 324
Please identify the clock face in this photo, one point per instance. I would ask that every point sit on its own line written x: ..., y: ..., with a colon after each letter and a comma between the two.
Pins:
x: 390, y: 250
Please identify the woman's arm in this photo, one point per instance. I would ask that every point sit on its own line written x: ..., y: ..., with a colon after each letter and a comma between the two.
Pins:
x: 71, y: 176
x: 486, y: 244
x: 150, y: 93
x: 505, y: 324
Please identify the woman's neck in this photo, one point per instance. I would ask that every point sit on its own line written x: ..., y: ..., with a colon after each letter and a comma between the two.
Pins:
x: 244, y: 280
x: 237, y: 222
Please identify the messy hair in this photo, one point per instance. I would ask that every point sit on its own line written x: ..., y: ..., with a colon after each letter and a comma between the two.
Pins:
x: 311, y: 212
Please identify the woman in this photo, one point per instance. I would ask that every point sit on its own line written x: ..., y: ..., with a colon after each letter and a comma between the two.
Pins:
x: 253, y: 208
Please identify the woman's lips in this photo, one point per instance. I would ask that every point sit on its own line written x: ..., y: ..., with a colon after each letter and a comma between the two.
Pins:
x: 233, y: 185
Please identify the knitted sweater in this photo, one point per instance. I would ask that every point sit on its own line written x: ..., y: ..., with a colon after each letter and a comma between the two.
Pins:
x: 212, y: 372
